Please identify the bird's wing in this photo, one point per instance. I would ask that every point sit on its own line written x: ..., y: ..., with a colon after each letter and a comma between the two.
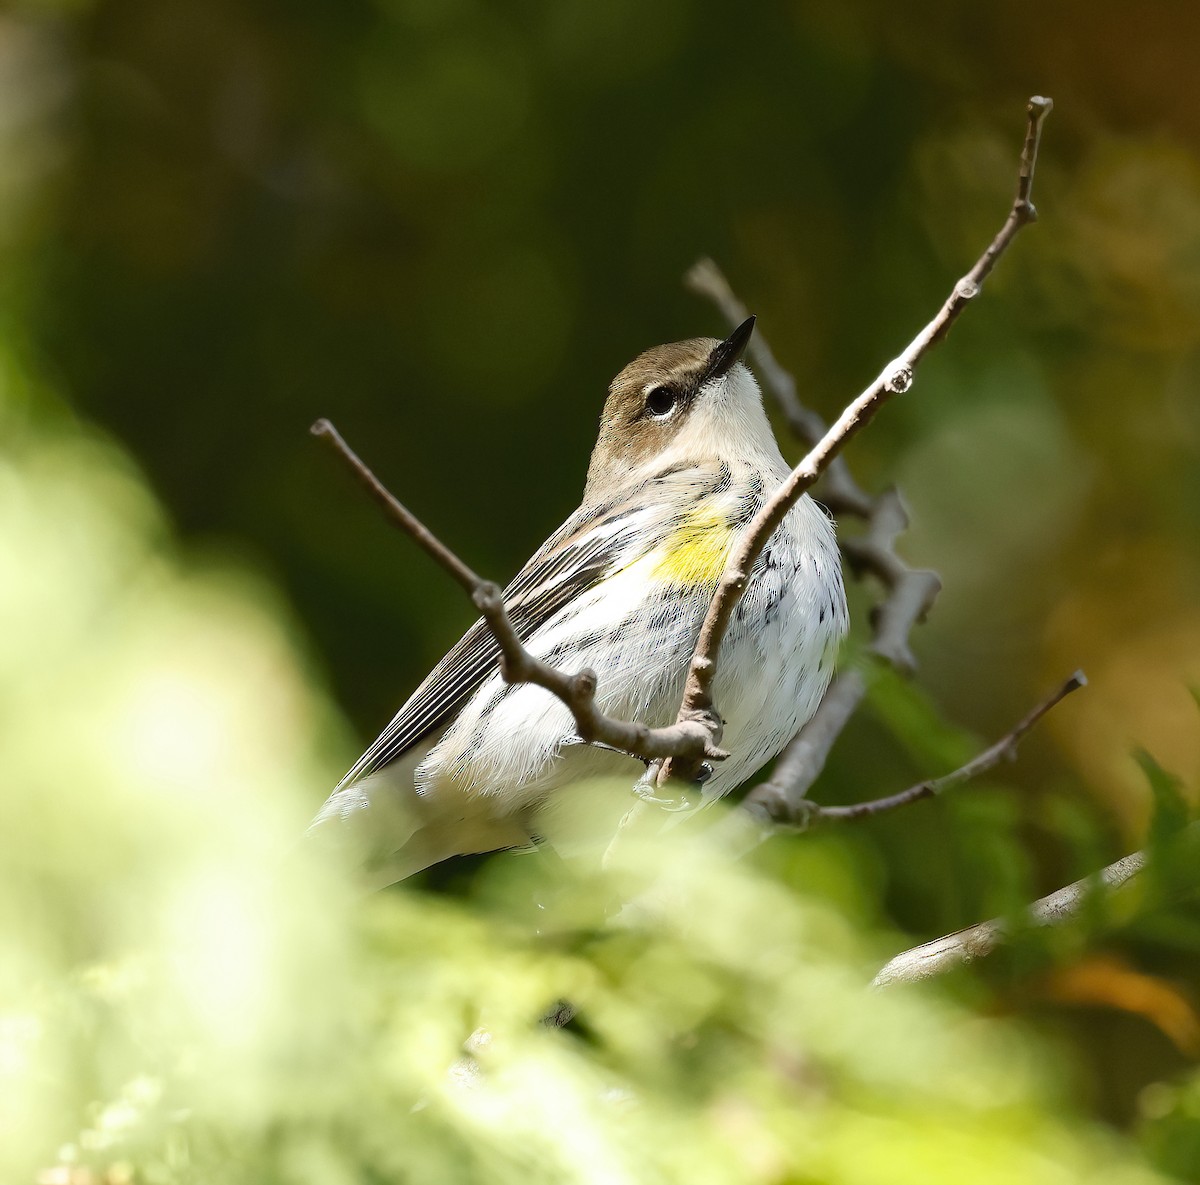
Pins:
x: 591, y: 545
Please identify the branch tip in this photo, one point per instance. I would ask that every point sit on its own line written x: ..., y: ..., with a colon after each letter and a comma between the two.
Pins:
x: 896, y: 378
x: 705, y: 278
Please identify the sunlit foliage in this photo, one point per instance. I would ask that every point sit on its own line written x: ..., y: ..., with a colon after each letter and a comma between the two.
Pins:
x: 187, y: 997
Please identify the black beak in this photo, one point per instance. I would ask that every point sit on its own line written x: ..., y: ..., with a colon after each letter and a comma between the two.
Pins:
x: 724, y: 355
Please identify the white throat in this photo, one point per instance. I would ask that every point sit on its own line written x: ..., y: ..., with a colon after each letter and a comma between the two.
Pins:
x: 728, y: 423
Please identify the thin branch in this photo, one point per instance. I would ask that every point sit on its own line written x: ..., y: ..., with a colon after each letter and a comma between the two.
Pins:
x: 910, y: 592
x: 976, y: 942
x: 783, y: 799
x: 772, y: 804
x: 1005, y: 749
x: 839, y: 491
x: 397, y: 512
x: 517, y: 665
x: 896, y: 378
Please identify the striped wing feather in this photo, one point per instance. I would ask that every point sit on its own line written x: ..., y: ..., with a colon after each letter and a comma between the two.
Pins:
x: 580, y: 554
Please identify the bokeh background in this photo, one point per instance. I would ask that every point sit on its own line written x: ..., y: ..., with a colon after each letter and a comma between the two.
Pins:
x: 446, y: 224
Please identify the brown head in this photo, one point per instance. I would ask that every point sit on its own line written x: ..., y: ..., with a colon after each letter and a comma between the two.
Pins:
x: 666, y: 401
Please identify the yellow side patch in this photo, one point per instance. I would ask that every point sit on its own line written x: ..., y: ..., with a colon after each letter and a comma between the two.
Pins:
x: 696, y: 551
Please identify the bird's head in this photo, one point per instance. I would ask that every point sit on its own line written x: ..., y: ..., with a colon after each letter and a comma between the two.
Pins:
x: 687, y: 401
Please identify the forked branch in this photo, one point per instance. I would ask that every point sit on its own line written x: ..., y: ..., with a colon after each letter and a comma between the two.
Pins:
x: 897, y: 377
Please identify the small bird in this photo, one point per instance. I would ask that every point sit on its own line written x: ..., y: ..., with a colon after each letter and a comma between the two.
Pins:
x: 684, y: 459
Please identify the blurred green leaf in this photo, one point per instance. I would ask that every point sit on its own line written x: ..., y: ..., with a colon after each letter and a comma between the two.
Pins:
x: 180, y: 1003
x: 1172, y: 812
x: 933, y: 743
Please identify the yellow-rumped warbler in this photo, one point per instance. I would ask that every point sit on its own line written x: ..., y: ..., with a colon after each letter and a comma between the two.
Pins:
x: 684, y: 459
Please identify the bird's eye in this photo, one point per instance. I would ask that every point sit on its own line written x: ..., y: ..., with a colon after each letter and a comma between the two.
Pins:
x: 661, y: 401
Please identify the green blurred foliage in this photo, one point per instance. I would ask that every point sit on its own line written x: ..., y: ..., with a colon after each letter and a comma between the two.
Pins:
x: 446, y: 224
x: 184, y: 998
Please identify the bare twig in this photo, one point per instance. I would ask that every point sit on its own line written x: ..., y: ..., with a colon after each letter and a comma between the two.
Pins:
x: 397, y: 512
x: 772, y: 804
x: 517, y: 665
x: 896, y: 378
x: 839, y: 491
x: 1005, y: 749
x: 975, y: 942
x: 910, y: 592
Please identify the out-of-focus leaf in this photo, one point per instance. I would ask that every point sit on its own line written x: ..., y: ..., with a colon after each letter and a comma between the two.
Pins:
x: 179, y: 1004
x: 1172, y: 812
x: 934, y: 743
x: 1170, y: 1126
x: 1110, y: 982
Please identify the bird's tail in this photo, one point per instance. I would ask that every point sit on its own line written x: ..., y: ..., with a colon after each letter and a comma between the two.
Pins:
x: 383, y: 830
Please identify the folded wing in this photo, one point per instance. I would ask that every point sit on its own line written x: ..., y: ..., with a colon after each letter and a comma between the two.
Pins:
x: 587, y: 548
